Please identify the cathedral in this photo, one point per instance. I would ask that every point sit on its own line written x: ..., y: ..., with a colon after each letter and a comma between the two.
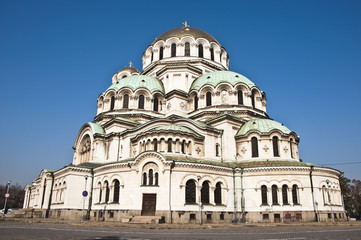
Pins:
x: 185, y: 140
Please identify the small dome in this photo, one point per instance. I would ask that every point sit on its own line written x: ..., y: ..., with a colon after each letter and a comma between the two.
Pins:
x: 263, y: 126
x: 185, y: 31
x: 215, y: 78
x: 130, y: 70
x: 138, y: 81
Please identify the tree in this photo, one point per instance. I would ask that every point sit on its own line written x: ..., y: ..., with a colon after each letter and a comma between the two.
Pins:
x: 16, y: 198
x: 351, y: 191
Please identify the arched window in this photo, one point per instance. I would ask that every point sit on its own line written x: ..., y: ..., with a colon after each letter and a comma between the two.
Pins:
x: 155, y: 145
x: 161, y: 53
x: 212, y: 53
x: 254, y: 143
x: 217, y: 150
x: 195, y: 102
x: 208, y: 99
x: 173, y: 50
x: 275, y: 146
x: 205, y: 193
x: 187, y: 49
x: 183, y: 146
x: 141, y: 102
x: 169, y: 145
x: 218, y: 194
x: 100, y: 191
x: 107, y: 191
x: 253, y: 98
x: 294, y: 194
x: 126, y: 101
x: 264, y: 195
x: 274, y: 195
x: 190, y: 191
x: 150, y: 177
x: 144, y: 178
x: 285, y: 194
x: 200, y: 50
x: 112, y: 101
x: 116, y: 190
x: 156, y: 178
x: 323, y: 194
x: 291, y: 146
x: 240, y: 97
x: 155, y: 106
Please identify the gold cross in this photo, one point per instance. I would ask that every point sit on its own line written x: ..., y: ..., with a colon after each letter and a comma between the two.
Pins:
x: 130, y: 64
x: 185, y: 24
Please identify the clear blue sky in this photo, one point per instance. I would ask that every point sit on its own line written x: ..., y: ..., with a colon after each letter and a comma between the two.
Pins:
x: 56, y: 57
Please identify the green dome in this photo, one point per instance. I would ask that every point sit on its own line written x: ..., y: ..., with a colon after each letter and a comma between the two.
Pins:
x: 96, y: 128
x: 263, y: 126
x: 215, y: 78
x: 139, y: 81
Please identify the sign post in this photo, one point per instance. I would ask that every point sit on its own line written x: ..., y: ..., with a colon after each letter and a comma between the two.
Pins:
x: 7, y: 195
x: 84, y: 194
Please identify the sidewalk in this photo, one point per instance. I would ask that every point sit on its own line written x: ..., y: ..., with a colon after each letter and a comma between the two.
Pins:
x: 171, y: 226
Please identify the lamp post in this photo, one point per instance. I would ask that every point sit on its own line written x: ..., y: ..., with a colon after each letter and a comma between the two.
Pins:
x: 199, y: 201
x: 6, y: 198
x: 84, y: 197
x: 329, y: 198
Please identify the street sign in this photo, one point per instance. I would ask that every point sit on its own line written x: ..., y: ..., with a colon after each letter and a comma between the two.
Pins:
x: 85, y: 193
x: 7, y: 195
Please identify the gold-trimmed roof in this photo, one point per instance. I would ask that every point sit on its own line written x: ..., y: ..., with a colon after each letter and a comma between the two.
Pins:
x: 185, y: 31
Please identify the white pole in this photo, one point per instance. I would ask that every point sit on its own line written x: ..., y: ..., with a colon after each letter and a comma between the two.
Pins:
x: 82, y: 214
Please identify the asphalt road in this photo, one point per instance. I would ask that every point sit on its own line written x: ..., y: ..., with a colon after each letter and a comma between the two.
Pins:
x: 14, y: 230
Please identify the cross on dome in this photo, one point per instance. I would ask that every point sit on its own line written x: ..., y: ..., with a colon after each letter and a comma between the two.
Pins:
x: 130, y: 64
x: 185, y: 24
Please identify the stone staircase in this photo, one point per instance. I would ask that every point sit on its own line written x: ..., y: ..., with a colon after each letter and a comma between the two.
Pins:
x: 145, y: 219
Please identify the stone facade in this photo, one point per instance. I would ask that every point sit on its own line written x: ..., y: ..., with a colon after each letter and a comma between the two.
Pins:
x: 186, y: 138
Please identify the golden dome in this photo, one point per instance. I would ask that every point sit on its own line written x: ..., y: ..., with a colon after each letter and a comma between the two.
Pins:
x: 131, y: 70
x: 185, y: 31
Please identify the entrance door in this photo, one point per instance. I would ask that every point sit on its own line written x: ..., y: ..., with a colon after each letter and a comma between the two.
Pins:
x: 149, y: 203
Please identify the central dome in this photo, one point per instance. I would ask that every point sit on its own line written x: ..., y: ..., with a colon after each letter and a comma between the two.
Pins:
x: 185, y: 31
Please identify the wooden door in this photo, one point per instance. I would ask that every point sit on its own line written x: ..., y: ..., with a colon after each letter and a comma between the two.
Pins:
x: 149, y: 203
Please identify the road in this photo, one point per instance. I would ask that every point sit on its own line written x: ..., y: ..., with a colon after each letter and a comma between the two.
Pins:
x: 14, y: 230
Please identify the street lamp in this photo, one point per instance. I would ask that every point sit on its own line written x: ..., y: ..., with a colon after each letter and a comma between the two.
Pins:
x: 329, y: 199
x: 84, y: 197
x: 6, y: 198
x: 199, y: 201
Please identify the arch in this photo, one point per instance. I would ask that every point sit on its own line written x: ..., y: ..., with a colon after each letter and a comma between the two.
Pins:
x: 161, y: 50
x: 217, y: 150
x: 190, y: 191
x: 253, y: 97
x: 285, y: 194
x: 155, y: 144
x: 187, y: 49
x: 240, y: 97
x: 208, y: 99
x: 211, y: 50
x: 183, y: 146
x: 144, y: 178
x: 218, y: 193
x: 141, y: 102
x: 156, y: 177
x: 112, y: 102
x: 100, y: 192
x: 107, y: 191
x: 195, y: 102
x: 295, y: 194
x: 173, y: 50
x: 264, y: 195
x: 275, y: 146
x: 116, y: 188
x: 126, y: 101
x: 291, y: 147
x: 274, y: 195
x: 169, y: 145
x: 150, y: 177
x: 254, y: 143
x: 324, y: 195
x: 205, y: 192
x: 200, y: 50
x: 155, y: 104
x: 84, y: 149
